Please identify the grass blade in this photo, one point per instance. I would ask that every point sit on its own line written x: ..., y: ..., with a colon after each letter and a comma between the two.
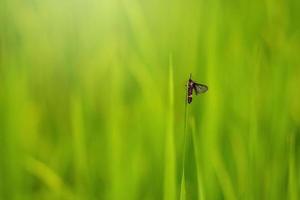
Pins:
x: 182, y: 187
x: 197, y: 161
x: 170, y: 161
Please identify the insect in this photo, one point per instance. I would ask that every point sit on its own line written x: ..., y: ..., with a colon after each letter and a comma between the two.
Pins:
x: 193, y: 86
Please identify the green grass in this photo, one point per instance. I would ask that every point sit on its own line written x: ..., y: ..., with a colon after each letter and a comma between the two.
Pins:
x: 184, y: 147
x: 92, y: 100
x: 170, y: 157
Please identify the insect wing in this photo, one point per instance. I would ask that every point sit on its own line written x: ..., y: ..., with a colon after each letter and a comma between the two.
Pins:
x: 200, y: 88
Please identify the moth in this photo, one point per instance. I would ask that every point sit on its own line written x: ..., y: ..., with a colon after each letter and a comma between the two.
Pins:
x: 193, y: 86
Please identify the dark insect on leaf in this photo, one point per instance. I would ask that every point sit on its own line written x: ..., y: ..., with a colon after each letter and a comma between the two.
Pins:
x: 197, y: 87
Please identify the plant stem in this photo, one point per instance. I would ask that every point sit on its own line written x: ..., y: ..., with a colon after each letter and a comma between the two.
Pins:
x: 182, y: 189
x: 170, y: 156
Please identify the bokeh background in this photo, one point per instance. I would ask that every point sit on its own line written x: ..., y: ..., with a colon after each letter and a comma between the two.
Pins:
x: 92, y: 99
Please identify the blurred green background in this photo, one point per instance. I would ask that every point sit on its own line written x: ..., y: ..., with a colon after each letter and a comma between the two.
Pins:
x: 92, y: 99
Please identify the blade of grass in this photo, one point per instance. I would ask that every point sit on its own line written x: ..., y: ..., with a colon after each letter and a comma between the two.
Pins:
x: 49, y: 177
x: 80, y: 149
x: 292, y: 187
x: 182, y: 187
x: 170, y: 171
x: 115, y: 145
x: 223, y: 177
x: 196, y: 148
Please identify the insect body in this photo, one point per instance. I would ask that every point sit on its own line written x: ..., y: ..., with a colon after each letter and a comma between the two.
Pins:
x: 193, y: 86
